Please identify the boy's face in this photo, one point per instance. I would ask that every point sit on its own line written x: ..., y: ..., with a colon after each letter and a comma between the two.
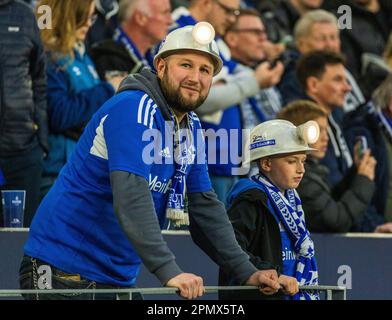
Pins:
x: 285, y: 171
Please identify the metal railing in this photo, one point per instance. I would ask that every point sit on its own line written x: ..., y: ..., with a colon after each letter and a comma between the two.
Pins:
x: 332, y: 292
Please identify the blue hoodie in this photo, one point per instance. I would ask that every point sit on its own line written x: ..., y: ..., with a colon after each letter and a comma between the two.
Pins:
x: 74, y: 94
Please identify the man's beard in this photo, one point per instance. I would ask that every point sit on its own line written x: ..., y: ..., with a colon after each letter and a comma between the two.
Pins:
x: 174, y: 97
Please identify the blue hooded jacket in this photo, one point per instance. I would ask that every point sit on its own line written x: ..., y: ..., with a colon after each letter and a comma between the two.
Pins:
x: 74, y: 94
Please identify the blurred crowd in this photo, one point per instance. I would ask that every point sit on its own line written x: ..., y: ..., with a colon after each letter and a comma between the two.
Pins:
x: 297, y: 60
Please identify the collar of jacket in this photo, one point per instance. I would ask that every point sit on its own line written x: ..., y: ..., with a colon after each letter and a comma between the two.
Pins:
x: 5, y: 2
x: 147, y: 81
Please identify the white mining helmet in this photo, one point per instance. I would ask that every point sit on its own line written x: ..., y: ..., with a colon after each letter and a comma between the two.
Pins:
x: 281, y: 137
x: 199, y: 37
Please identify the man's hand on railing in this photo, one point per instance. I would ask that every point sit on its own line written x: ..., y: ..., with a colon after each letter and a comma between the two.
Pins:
x: 190, y: 285
x: 267, y: 280
x: 289, y: 284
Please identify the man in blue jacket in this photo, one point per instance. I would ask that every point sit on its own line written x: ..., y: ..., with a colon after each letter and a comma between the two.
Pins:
x: 103, y: 216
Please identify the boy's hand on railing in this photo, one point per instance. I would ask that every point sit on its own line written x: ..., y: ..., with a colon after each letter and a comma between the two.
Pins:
x: 267, y: 280
x: 289, y: 284
x: 190, y: 285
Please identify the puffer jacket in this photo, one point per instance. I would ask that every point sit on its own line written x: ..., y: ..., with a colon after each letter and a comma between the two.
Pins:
x: 23, y: 114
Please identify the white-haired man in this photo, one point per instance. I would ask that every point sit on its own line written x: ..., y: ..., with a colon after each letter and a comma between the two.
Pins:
x: 143, y: 24
x: 316, y: 30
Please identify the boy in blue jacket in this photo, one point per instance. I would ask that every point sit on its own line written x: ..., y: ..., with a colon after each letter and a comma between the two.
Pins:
x: 266, y: 211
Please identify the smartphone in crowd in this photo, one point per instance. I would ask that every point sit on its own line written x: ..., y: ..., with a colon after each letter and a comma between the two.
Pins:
x: 363, y: 145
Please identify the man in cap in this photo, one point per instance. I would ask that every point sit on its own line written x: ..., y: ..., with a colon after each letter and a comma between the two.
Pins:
x: 103, y: 216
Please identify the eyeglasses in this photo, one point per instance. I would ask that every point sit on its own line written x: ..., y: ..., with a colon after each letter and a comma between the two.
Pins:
x: 229, y: 11
x: 256, y: 32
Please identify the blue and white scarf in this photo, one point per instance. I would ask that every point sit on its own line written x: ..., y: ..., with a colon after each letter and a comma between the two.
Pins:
x: 184, y: 155
x: 289, y: 211
x: 120, y: 37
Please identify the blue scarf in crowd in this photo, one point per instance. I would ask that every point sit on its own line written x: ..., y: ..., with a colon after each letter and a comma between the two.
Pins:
x: 121, y: 38
x: 289, y: 211
x: 2, y: 179
x: 184, y: 155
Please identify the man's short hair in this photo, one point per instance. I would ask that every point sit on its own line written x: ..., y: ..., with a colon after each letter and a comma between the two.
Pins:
x: 303, y: 26
x: 244, y: 13
x: 127, y: 7
x: 301, y: 111
x: 313, y: 64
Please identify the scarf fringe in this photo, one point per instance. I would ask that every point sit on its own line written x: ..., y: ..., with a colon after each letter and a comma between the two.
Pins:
x: 178, y: 217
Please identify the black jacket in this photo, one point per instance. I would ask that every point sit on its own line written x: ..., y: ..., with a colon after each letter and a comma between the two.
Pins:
x: 368, y: 33
x: 279, y: 17
x: 23, y: 117
x: 108, y: 55
x: 333, y: 210
x: 258, y: 235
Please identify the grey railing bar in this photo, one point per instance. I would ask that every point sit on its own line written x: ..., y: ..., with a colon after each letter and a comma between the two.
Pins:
x: 340, y: 292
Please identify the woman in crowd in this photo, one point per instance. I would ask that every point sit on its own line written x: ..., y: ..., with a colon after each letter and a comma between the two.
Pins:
x: 74, y: 91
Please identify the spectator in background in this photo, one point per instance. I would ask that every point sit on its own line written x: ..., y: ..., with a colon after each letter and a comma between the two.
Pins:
x: 382, y: 100
x: 106, y: 23
x: 74, y: 89
x: 323, y: 76
x: 316, y: 30
x: 330, y: 209
x: 232, y: 85
x: 246, y: 39
x: 23, y: 113
x: 281, y: 16
x: 143, y: 24
x: 369, y: 31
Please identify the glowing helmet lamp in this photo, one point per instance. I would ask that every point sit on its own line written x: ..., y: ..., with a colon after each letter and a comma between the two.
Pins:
x: 198, y: 38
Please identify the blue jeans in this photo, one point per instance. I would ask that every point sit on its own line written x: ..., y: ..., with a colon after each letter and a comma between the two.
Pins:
x: 30, y: 279
x: 222, y: 186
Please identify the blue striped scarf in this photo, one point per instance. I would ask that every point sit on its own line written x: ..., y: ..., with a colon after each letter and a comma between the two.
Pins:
x: 176, y: 208
x: 288, y: 207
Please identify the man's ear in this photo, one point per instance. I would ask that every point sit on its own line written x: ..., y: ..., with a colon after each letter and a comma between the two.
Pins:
x: 140, y: 18
x: 161, y: 66
x: 230, y: 39
x: 265, y: 164
x: 312, y: 85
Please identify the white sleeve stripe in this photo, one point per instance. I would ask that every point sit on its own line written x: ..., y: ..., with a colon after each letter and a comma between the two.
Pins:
x: 145, y: 122
x: 140, y: 110
x: 99, y: 148
x: 152, y: 115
